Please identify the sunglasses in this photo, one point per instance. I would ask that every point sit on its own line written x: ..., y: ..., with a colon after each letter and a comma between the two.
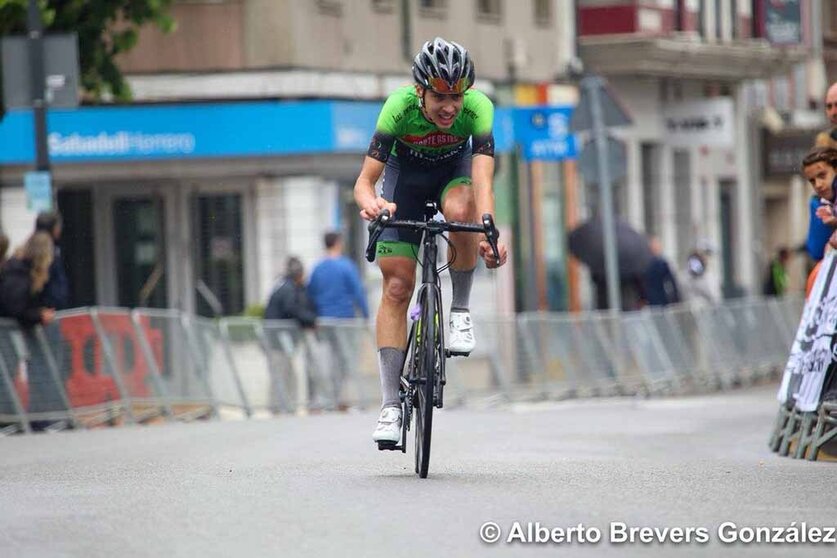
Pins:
x: 441, y: 86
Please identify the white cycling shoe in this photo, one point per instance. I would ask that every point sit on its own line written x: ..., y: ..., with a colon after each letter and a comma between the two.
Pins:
x: 389, y: 425
x: 461, y: 339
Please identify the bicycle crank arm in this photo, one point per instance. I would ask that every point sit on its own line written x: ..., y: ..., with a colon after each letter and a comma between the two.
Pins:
x: 388, y: 446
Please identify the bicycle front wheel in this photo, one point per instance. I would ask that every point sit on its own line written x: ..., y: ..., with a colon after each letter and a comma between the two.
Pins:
x: 423, y: 409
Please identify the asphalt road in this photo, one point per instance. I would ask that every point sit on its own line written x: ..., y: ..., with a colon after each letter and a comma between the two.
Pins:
x: 317, y: 486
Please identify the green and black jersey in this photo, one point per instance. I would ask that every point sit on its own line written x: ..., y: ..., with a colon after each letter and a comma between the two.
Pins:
x: 402, y: 129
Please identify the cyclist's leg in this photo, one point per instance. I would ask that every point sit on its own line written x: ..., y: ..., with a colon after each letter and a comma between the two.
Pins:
x: 458, y: 204
x: 396, y: 257
x: 391, y: 324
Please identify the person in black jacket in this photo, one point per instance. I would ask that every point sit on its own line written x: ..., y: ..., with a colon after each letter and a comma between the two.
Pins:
x: 57, y: 290
x: 659, y: 284
x: 22, y: 284
x: 23, y: 280
x: 289, y: 301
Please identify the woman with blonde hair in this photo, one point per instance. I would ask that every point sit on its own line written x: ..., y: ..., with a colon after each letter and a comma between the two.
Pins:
x: 23, y: 280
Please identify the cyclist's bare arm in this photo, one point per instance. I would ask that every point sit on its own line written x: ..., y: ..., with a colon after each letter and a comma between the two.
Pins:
x: 369, y: 203
x: 482, y: 175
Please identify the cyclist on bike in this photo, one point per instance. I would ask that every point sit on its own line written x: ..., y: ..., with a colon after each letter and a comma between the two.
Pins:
x: 433, y: 141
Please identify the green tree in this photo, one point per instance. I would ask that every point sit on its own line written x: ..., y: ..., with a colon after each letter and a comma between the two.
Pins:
x: 106, y: 28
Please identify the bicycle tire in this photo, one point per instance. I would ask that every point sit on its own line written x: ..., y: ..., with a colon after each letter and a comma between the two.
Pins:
x: 423, y: 409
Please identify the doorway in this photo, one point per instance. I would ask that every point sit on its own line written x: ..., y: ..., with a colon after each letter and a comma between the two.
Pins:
x: 77, y: 245
x: 140, y: 251
x: 218, y: 258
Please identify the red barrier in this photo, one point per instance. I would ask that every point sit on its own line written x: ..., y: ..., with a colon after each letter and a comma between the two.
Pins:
x: 87, y: 387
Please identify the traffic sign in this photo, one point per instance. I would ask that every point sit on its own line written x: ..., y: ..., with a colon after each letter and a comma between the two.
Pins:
x: 613, y: 113
x: 617, y: 160
x: 544, y: 133
x: 38, y: 187
x: 60, y: 67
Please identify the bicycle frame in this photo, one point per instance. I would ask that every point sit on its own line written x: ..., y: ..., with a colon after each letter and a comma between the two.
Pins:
x: 419, y: 393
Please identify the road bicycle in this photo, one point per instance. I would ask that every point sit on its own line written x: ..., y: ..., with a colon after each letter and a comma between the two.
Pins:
x: 423, y: 375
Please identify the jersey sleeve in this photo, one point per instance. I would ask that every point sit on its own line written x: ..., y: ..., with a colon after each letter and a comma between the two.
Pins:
x: 482, y: 132
x: 387, y: 128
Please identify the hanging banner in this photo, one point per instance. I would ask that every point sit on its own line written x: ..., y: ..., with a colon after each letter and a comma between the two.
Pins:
x: 783, y: 22
x: 813, y: 349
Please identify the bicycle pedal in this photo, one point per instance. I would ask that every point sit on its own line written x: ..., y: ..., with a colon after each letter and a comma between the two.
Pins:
x: 389, y: 446
x: 449, y: 353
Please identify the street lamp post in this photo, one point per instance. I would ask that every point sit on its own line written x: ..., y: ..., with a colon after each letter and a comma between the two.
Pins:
x: 38, y: 91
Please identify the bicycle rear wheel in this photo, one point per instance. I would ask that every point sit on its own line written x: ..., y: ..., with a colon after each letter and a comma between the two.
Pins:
x: 423, y: 408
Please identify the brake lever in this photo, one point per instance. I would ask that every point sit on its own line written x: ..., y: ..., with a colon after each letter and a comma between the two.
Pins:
x: 375, y: 228
x: 491, y: 233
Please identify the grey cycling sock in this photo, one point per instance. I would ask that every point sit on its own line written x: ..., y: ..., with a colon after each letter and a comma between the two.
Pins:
x: 390, y: 363
x: 461, y: 282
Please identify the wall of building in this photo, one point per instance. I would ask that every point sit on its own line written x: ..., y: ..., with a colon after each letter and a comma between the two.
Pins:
x: 357, y: 36
x: 209, y: 37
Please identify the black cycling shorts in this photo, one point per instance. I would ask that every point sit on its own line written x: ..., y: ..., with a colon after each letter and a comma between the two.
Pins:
x: 410, y: 186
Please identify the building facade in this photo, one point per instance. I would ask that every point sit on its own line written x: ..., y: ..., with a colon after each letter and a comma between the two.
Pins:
x: 210, y: 231
x: 691, y: 73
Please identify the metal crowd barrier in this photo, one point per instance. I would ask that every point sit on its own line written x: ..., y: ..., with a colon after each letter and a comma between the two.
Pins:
x: 806, y: 423
x: 110, y: 366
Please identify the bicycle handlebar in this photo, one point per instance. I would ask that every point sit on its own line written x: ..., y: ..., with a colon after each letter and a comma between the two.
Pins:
x: 383, y: 221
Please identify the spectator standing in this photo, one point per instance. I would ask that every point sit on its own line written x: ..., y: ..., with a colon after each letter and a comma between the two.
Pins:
x: 697, y: 283
x: 776, y: 280
x: 336, y: 290
x: 335, y: 287
x: 820, y: 171
x: 818, y: 231
x: 660, y: 287
x: 56, y: 292
x: 828, y: 138
x: 289, y: 301
x: 22, y: 284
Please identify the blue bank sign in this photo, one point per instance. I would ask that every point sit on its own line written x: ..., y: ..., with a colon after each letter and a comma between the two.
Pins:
x: 247, y: 129
x: 544, y: 133
x: 189, y: 131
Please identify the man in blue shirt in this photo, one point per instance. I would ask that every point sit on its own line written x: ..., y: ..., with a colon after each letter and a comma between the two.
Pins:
x: 335, y: 287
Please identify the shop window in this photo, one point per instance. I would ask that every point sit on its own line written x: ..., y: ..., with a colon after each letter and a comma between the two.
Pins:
x: 543, y: 12
x: 679, y: 15
x: 650, y: 153
x: 219, y: 263
x: 489, y: 10
x: 433, y: 8
x: 140, y: 251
